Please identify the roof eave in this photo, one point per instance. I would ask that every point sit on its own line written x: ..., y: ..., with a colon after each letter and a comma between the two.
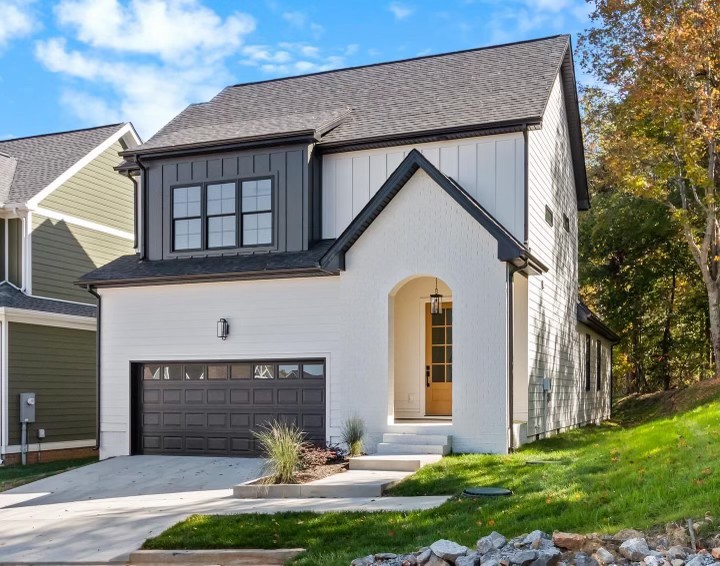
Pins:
x: 591, y: 320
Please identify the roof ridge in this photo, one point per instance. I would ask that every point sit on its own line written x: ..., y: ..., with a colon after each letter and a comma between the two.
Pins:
x: 408, y: 59
x: 63, y: 132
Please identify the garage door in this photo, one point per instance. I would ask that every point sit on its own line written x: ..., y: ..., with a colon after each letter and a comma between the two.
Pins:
x: 212, y: 408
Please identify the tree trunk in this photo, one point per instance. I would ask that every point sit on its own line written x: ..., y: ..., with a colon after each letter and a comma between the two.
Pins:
x: 667, y: 336
x: 714, y: 316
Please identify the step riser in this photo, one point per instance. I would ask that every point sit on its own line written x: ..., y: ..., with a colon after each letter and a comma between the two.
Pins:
x: 427, y: 439
x: 389, y: 466
x: 393, y: 448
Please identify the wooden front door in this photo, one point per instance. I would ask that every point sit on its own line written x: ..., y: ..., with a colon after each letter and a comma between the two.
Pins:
x: 438, y: 361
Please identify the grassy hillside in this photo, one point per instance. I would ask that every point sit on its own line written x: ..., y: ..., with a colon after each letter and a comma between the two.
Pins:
x: 657, y: 463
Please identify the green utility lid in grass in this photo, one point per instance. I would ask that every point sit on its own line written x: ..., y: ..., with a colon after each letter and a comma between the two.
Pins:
x: 486, y: 492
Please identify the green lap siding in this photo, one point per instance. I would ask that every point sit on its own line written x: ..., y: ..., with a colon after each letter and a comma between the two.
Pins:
x: 97, y: 193
x: 15, y: 269
x: 58, y: 365
x: 63, y: 252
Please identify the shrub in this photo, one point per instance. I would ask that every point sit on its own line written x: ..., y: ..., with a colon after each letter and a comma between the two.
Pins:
x: 353, y: 431
x: 283, y: 446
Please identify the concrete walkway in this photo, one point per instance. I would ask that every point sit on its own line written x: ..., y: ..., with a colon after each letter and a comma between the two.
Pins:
x: 102, y: 512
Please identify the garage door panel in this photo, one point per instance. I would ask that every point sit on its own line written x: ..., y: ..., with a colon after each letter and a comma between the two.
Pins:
x: 216, y: 412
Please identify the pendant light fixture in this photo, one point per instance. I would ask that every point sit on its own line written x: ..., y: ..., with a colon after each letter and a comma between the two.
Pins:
x: 436, y: 301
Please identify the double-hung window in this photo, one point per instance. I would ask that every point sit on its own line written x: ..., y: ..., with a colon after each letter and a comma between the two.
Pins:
x: 221, y: 216
x: 256, y: 212
x: 588, y: 352
x: 187, y: 218
x: 598, y: 365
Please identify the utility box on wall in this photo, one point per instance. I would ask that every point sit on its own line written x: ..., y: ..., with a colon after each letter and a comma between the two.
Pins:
x: 27, y: 407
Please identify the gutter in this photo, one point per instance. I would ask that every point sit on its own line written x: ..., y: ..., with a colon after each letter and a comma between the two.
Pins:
x: 98, y: 336
x: 144, y: 197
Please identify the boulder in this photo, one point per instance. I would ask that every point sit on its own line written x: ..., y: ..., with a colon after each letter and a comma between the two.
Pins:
x: 626, y: 534
x: 423, y: 557
x: 535, y: 536
x: 523, y: 557
x: 676, y: 551
x: 715, y: 552
x: 547, y: 557
x: 493, y: 541
x: 635, y: 549
x: 448, y: 550
x: 385, y: 556
x: 437, y: 561
x: 584, y: 559
x: 604, y: 556
x: 677, y: 562
x: 697, y: 560
x: 364, y: 561
x: 470, y: 559
x: 652, y: 561
x: 569, y: 541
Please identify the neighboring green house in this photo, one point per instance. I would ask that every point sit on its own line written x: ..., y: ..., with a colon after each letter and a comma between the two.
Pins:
x: 64, y: 211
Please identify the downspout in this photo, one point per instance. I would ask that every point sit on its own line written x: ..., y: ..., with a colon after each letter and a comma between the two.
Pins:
x: 526, y: 159
x: 98, y: 332
x: 144, y: 197
x: 511, y: 346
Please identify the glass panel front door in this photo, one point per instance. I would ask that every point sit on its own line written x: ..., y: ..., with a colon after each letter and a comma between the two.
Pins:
x: 438, y: 361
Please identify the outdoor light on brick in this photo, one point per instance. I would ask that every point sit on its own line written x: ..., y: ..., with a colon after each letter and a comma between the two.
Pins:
x: 223, y: 329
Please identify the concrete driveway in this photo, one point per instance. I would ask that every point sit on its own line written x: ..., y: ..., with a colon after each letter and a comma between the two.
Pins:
x: 104, y: 511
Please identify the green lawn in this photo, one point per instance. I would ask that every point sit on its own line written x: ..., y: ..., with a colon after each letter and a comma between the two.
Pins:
x: 607, y: 478
x: 14, y: 476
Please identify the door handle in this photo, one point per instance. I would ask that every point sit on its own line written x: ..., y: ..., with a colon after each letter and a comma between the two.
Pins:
x: 427, y: 376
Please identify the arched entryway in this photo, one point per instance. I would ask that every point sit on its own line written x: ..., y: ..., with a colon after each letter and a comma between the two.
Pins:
x: 421, y: 349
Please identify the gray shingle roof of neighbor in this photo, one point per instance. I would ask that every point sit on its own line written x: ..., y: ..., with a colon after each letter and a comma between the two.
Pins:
x: 42, y: 159
x: 11, y: 297
x: 478, y: 87
x: 130, y: 270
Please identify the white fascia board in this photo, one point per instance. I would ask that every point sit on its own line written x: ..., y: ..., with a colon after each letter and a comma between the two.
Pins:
x: 127, y: 129
x: 40, y: 318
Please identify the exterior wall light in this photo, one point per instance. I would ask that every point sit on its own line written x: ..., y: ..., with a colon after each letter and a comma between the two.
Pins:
x: 436, y: 301
x: 223, y: 329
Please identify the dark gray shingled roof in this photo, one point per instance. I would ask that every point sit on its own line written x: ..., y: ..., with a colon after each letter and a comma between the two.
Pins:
x: 10, y: 297
x: 479, y: 87
x: 129, y: 270
x: 42, y: 159
x: 593, y: 321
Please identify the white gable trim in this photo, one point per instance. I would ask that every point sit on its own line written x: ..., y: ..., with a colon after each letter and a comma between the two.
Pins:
x: 61, y: 216
x: 126, y: 130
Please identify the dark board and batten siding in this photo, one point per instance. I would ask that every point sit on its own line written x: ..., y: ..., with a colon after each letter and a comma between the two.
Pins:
x: 58, y: 364
x: 288, y: 166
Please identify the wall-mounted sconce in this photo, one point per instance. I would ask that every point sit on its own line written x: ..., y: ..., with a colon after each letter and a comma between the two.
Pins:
x: 223, y: 329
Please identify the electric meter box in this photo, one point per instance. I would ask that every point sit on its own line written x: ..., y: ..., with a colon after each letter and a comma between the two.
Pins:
x: 27, y: 407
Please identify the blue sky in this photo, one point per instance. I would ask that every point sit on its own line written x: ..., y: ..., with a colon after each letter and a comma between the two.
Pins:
x: 76, y: 63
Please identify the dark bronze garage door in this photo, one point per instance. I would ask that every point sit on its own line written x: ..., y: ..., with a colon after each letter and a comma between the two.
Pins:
x: 212, y: 408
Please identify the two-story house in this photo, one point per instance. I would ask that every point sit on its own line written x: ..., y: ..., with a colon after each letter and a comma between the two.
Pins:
x: 395, y: 241
x: 64, y: 210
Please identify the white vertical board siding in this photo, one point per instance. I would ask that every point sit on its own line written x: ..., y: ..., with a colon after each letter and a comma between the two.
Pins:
x: 554, y: 348
x: 490, y: 168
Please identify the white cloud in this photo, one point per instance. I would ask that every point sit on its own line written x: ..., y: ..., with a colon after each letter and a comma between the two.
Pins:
x: 514, y: 19
x: 400, y: 11
x: 122, y: 61
x: 16, y: 20
x: 173, y: 30
x: 297, y: 19
x: 293, y: 58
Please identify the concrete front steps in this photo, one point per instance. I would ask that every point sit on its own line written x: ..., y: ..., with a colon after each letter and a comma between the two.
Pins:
x: 410, y: 443
x: 393, y: 462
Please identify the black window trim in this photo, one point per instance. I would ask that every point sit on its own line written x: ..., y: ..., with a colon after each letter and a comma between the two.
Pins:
x: 549, y: 216
x: 238, y: 220
x: 588, y: 365
x: 173, y: 219
x: 566, y: 222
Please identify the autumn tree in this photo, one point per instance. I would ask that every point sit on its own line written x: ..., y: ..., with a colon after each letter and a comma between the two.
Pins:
x: 661, y: 63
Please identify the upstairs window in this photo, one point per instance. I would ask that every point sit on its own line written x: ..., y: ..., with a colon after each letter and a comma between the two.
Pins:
x: 221, y: 216
x: 549, y: 216
x: 187, y: 218
x: 257, y: 212
x: 566, y: 223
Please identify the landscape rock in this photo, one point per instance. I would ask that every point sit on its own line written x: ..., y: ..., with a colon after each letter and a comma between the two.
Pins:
x: 626, y: 534
x: 652, y: 561
x: 470, y: 559
x: 385, y: 556
x: 569, y: 541
x: 635, y: 549
x: 676, y: 551
x: 548, y: 557
x: 408, y: 560
x: 423, y: 557
x: 523, y: 557
x: 364, y: 561
x: 536, y: 536
x: 715, y: 553
x: 677, y: 535
x: 677, y: 562
x: 604, y: 556
x: 435, y: 560
x: 583, y: 559
x: 489, y: 561
x: 493, y: 541
x: 448, y: 550
x: 697, y: 560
